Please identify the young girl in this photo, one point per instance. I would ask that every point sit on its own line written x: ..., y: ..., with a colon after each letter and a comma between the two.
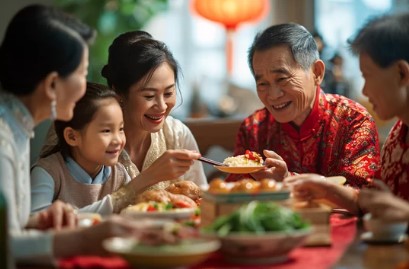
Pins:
x: 83, y: 169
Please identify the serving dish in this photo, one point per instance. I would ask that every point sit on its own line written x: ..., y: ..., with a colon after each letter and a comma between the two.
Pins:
x: 186, y: 253
x: 175, y: 214
x: 258, y: 232
x: 278, y: 194
x: 239, y: 169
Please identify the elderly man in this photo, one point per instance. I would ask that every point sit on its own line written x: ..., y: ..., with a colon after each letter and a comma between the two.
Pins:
x: 301, y: 129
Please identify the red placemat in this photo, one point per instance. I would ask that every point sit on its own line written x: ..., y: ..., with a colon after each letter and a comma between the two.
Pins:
x: 343, y: 231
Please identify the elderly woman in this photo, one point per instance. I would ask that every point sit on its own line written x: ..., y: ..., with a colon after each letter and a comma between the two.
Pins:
x: 43, y: 68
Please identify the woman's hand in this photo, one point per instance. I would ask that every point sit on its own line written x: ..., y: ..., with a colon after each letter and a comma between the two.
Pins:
x: 309, y: 187
x: 57, y: 216
x: 88, y: 241
x: 171, y: 165
x: 276, y: 168
x: 384, y: 205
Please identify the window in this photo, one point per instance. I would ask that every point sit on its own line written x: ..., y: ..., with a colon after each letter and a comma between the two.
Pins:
x: 338, y: 20
x: 199, y: 46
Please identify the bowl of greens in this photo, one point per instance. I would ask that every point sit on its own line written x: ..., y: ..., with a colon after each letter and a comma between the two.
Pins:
x: 259, y: 232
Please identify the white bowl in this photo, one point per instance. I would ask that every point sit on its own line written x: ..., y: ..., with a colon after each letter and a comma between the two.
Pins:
x: 187, y: 253
x: 269, y: 247
x: 384, y: 230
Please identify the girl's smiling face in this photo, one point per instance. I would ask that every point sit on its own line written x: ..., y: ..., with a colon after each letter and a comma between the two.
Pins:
x: 101, y: 141
x: 151, y: 100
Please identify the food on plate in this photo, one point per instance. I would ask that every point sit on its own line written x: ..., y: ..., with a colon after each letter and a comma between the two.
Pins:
x: 268, y: 185
x: 185, y: 187
x: 218, y: 185
x: 151, y: 206
x: 257, y: 217
x: 246, y: 185
x: 179, y: 200
x: 250, y: 158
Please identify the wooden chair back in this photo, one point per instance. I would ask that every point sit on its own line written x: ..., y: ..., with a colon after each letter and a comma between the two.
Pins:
x: 214, y: 132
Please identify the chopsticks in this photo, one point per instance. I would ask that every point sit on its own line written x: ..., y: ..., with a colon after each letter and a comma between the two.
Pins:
x: 209, y: 161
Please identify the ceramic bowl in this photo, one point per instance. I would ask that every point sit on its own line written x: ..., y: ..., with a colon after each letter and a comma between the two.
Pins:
x: 186, y: 253
x: 384, y: 230
x: 270, y: 247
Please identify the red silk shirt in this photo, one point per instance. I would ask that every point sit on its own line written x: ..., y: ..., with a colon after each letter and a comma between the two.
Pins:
x: 339, y: 137
x: 395, y: 161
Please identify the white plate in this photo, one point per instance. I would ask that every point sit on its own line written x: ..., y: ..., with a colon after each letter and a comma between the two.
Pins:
x: 235, y: 197
x: 239, y: 169
x: 368, y: 237
x: 179, y: 213
x: 338, y: 180
x: 186, y: 253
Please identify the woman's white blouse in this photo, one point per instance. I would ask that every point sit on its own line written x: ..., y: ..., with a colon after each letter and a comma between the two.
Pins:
x: 174, y: 135
x: 16, y: 129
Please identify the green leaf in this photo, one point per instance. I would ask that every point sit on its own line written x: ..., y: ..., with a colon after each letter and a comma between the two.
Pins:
x: 110, y: 18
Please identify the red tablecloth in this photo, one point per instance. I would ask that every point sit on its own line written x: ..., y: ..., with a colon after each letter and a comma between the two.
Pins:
x: 343, y: 232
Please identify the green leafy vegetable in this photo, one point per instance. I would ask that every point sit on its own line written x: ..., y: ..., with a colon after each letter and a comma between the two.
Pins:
x: 258, y: 217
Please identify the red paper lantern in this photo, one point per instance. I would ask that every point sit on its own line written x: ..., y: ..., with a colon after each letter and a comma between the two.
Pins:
x: 231, y: 13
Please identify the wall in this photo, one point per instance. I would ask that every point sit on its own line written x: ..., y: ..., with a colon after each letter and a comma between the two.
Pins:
x: 297, y: 11
x: 7, y: 10
x: 9, y: 7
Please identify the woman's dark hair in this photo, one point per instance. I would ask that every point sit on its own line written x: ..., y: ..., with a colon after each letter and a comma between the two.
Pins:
x: 133, y: 56
x: 38, y: 41
x: 385, y: 39
x: 84, y: 112
x: 298, y: 39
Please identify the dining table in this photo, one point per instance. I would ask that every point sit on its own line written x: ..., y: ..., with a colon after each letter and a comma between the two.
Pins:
x: 345, y: 251
x: 361, y: 254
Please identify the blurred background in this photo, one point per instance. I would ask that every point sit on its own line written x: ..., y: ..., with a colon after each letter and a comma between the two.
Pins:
x: 215, y: 85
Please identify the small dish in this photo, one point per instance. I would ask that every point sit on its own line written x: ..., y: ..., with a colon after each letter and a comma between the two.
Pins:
x: 379, y: 229
x: 368, y: 237
x: 175, y: 214
x: 187, y: 253
x: 338, y: 180
x: 239, y: 169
